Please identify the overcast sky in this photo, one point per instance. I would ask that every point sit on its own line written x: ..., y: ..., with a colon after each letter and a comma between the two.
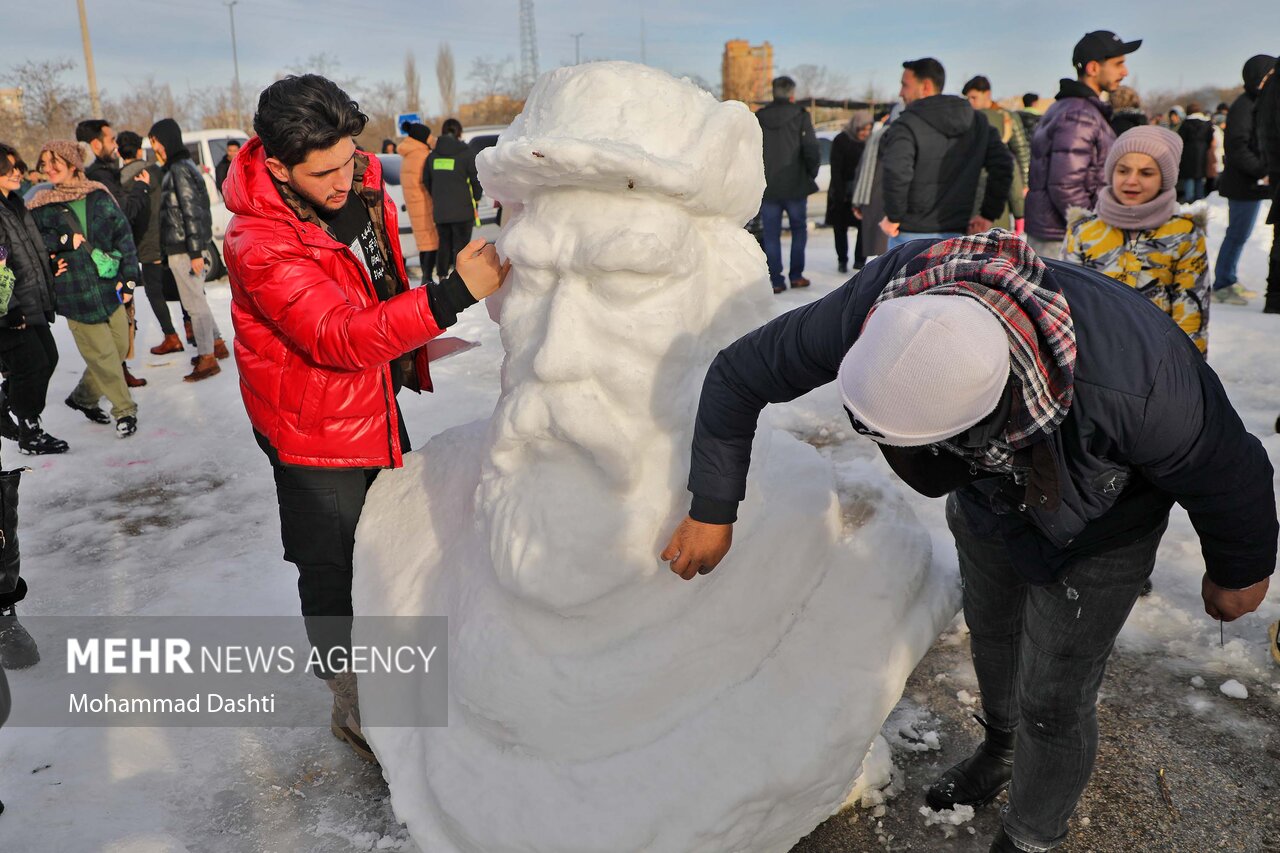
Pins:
x: 1020, y: 44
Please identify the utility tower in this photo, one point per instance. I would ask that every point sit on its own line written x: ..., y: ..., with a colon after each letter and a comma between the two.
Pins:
x: 528, y: 44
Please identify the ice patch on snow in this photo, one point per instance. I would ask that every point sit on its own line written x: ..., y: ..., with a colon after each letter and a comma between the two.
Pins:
x: 1234, y: 689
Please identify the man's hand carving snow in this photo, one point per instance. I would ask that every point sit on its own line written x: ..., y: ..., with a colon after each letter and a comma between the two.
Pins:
x: 480, y: 269
x: 1230, y: 604
x: 697, y: 548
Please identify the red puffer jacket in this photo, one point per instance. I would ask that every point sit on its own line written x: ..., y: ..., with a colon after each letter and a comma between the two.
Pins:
x: 313, y: 342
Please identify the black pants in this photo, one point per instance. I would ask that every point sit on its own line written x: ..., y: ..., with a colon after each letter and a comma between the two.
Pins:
x: 842, y: 246
x: 319, y: 511
x: 30, y: 355
x: 153, y: 282
x: 453, y: 236
x: 12, y: 587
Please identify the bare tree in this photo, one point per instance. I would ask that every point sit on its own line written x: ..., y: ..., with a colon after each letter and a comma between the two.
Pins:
x: 412, y: 83
x: 50, y: 105
x: 380, y: 102
x: 326, y: 65
x: 144, y: 105
x: 447, y: 79
x: 494, y: 78
x: 818, y: 81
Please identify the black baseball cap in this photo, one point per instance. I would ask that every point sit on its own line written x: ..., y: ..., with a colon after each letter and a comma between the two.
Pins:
x: 1099, y: 46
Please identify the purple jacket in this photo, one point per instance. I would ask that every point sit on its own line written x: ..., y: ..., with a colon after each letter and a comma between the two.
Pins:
x: 1068, y: 152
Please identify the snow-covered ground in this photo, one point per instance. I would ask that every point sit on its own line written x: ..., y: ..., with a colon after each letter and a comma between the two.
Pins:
x: 181, y: 520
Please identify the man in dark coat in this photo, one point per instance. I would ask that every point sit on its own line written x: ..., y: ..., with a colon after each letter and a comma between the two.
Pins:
x: 846, y: 153
x: 1071, y: 142
x: 1063, y: 414
x: 791, y: 162
x: 186, y: 228
x: 1242, y: 182
x: 1197, y: 143
x: 933, y: 158
x: 1268, y: 129
x: 451, y: 180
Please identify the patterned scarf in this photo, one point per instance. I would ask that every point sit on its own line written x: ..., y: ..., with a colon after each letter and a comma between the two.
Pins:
x: 73, y: 188
x: 1001, y: 270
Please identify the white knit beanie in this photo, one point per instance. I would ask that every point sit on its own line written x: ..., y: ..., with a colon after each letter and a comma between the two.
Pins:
x: 925, y: 368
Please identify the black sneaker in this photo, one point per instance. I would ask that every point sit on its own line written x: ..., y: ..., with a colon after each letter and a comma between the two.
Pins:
x: 126, y: 426
x: 17, y: 648
x: 843, y: 266
x: 93, y: 413
x: 978, y: 779
x: 34, y: 441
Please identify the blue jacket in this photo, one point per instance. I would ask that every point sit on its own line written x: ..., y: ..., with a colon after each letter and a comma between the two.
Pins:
x: 1150, y: 424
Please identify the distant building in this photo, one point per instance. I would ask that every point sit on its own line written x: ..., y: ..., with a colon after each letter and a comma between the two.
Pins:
x: 746, y: 72
x: 495, y: 109
x: 11, y: 102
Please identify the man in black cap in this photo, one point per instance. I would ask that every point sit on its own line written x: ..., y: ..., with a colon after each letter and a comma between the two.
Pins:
x: 1071, y: 142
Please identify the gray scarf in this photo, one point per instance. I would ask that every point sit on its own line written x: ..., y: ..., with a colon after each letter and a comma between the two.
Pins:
x: 1147, y: 216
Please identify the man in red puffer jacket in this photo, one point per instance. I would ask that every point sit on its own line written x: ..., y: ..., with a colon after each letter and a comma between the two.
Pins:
x: 326, y: 326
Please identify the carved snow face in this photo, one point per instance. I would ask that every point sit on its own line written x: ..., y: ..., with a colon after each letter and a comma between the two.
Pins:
x: 603, y: 328
x: 604, y: 296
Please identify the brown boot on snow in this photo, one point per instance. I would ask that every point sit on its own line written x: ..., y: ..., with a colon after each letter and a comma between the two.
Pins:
x: 131, y: 380
x: 171, y: 343
x: 345, y: 719
x: 220, y: 349
x: 206, y: 366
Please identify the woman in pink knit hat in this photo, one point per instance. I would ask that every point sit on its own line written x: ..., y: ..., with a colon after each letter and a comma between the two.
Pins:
x: 1139, y: 235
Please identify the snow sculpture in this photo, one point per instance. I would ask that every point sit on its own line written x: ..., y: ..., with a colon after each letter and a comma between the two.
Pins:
x: 598, y: 702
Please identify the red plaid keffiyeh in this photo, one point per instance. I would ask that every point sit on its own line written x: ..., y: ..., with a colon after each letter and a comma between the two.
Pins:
x: 1002, y: 271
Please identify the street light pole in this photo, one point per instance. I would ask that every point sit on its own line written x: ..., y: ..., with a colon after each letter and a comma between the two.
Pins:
x: 88, y: 62
x: 577, y: 47
x: 235, y: 59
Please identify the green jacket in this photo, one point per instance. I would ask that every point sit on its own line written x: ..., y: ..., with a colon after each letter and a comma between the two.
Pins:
x: 82, y: 295
x: 1011, y: 132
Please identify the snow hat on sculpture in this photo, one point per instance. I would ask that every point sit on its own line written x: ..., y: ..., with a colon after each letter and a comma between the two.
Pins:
x: 597, y: 703
x: 628, y: 191
x: 644, y: 132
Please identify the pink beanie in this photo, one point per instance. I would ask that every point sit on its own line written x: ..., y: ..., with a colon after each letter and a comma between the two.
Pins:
x: 1160, y: 144
x: 65, y: 150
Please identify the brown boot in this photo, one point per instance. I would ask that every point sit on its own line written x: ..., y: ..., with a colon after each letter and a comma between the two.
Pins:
x: 171, y: 343
x: 206, y: 366
x: 220, y: 349
x: 191, y: 335
x: 131, y: 380
x: 345, y: 719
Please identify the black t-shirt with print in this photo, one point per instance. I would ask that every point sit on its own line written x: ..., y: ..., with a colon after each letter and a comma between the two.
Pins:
x: 352, y: 226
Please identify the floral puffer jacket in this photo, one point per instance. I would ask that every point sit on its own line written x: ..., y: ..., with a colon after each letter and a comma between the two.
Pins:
x: 1167, y: 264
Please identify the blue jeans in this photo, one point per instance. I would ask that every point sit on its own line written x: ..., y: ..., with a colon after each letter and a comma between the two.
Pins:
x: 1192, y: 189
x: 1242, y: 216
x: 1040, y: 653
x: 797, y: 220
x: 907, y: 236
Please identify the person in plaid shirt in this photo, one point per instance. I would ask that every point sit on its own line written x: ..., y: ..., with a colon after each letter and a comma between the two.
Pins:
x: 82, y: 226
x: 1062, y: 414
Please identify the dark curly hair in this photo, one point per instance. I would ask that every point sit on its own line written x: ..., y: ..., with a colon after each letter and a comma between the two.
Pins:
x: 301, y: 114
